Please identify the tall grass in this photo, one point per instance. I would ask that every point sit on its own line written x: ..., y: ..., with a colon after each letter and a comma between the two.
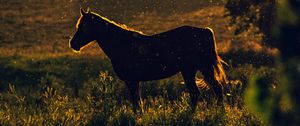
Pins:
x: 104, y: 100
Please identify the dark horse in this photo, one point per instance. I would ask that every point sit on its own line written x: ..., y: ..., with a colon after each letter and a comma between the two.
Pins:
x: 138, y: 57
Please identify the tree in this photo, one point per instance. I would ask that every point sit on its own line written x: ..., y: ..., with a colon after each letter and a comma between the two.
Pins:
x: 284, y: 107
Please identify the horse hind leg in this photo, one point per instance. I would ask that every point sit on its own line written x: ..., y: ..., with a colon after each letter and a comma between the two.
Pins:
x: 189, y: 79
x: 209, y: 78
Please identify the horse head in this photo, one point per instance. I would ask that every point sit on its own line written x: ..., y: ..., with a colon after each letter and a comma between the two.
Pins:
x: 84, y: 34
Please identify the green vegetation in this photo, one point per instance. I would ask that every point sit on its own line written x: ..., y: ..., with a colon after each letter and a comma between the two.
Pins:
x: 280, y: 106
x: 41, y: 92
x: 104, y: 100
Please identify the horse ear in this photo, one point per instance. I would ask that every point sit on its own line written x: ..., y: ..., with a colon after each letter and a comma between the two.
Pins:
x: 88, y: 10
x: 82, y: 12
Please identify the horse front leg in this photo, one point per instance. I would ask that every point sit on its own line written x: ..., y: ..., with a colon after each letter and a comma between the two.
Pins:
x: 135, y: 93
x: 189, y: 79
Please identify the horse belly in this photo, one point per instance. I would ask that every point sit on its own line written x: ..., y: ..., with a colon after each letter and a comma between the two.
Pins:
x: 144, y: 71
x: 158, y: 73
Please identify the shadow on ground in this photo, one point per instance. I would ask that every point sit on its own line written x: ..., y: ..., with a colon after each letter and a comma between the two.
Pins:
x: 66, y: 70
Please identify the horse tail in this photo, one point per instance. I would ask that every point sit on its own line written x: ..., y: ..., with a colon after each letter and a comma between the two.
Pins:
x: 216, y: 60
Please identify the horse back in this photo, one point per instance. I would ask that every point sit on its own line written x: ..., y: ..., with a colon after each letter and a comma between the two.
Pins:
x: 186, y: 38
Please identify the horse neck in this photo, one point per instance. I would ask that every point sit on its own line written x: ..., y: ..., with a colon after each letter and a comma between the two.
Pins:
x: 111, y: 38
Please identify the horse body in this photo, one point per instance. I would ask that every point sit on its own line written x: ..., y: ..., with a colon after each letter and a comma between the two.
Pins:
x: 161, y: 55
x: 138, y: 57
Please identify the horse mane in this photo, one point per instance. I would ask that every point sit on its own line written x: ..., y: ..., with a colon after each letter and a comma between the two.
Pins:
x: 123, y: 26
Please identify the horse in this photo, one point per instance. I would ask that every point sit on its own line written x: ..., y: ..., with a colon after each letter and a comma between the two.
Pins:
x: 137, y: 57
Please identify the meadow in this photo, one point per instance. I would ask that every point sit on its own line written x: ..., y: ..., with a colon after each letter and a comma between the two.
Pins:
x: 42, y: 82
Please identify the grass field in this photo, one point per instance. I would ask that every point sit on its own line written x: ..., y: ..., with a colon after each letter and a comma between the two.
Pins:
x: 42, y: 82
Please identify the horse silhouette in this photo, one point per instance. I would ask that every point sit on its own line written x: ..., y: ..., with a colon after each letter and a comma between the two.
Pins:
x: 138, y: 57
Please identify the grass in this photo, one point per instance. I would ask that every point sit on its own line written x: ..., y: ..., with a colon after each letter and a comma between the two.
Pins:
x: 44, y: 92
x: 44, y: 83
x: 104, y: 102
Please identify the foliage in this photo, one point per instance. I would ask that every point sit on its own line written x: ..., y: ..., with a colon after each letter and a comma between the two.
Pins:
x: 280, y: 106
x: 103, y: 103
x: 245, y: 14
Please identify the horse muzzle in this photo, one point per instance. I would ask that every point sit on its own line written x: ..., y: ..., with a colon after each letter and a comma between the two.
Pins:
x: 74, y: 46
